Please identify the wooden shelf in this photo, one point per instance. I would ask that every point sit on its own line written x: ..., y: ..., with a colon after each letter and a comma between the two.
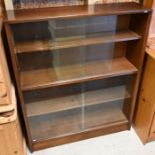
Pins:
x: 72, y: 122
x: 75, y: 101
x: 93, y: 39
x: 32, y: 15
x: 45, y: 78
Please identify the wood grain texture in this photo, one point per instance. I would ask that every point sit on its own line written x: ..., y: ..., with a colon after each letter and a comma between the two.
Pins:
x: 7, y: 117
x: 9, y: 113
x: 136, y: 50
x: 3, y: 91
x: 146, y: 106
x: 108, y: 37
x: 12, y: 141
x: 11, y: 106
x: 27, y: 15
x: 5, y: 81
x: 144, y: 118
x: 150, y: 52
x: 145, y: 109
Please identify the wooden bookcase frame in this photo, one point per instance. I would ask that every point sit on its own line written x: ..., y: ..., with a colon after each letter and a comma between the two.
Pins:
x: 136, y: 57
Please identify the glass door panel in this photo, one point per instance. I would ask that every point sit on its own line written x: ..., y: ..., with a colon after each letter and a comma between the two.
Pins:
x: 65, y: 110
x: 58, y: 52
x: 74, y: 74
x: 52, y: 68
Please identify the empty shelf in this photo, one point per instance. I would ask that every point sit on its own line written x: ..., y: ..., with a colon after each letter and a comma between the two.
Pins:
x: 77, y: 100
x: 45, y: 78
x: 74, y: 121
x: 108, y: 37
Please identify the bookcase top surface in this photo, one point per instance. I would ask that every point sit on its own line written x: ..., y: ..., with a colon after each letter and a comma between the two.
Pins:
x: 40, y: 14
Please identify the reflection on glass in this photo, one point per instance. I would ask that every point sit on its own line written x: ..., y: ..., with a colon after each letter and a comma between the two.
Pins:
x: 74, y: 74
x: 74, y: 108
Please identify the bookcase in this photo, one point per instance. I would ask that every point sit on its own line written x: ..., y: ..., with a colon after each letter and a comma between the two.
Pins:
x: 77, y: 69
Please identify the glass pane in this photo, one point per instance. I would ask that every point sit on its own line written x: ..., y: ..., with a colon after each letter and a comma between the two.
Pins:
x: 57, y: 52
x: 65, y: 110
x: 69, y: 50
x: 106, y: 104
x: 54, y: 112
x: 71, y: 65
x: 74, y: 74
x: 55, y: 124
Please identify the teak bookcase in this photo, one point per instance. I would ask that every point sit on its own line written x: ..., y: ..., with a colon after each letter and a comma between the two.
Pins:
x: 77, y: 69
